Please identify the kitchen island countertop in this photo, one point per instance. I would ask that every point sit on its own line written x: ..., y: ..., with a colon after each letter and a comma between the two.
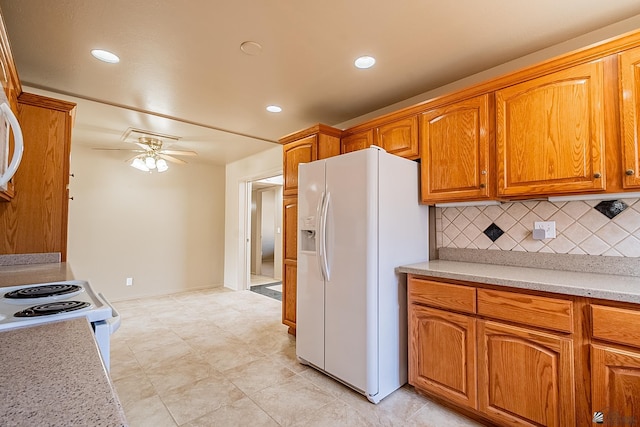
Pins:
x: 591, y: 285
x: 52, y: 375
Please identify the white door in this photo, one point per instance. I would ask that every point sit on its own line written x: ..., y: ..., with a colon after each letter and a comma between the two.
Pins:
x: 351, y: 291
x: 310, y: 283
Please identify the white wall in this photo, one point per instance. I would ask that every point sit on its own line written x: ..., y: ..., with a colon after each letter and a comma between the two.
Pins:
x: 164, y: 230
x: 262, y: 165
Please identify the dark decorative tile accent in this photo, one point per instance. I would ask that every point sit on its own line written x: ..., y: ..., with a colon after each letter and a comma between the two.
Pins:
x: 611, y: 208
x: 493, y: 232
x: 267, y: 291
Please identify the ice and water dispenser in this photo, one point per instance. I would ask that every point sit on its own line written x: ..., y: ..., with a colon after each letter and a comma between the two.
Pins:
x: 308, y: 234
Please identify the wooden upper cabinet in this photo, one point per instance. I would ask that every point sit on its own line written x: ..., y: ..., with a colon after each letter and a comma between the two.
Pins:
x: 399, y: 137
x: 36, y: 219
x: 302, y: 151
x: 525, y: 377
x: 455, y: 143
x: 357, y: 141
x: 630, y: 115
x: 550, y: 133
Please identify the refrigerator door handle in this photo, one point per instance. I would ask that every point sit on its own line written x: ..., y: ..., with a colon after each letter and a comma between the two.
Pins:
x: 326, y: 272
x: 319, y: 233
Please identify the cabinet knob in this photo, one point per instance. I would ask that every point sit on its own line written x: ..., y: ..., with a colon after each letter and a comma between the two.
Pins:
x: 629, y: 172
x: 482, y: 185
x: 597, y: 175
x: 484, y: 172
x: 72, y: 175
x: 71, y: 198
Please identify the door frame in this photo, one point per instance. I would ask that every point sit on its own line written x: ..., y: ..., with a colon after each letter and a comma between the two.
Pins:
x: 244, y: 210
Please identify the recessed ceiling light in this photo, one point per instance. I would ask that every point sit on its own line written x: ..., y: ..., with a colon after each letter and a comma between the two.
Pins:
x: 274, y: 109
x: 105, y: 56
x: 365, y: 62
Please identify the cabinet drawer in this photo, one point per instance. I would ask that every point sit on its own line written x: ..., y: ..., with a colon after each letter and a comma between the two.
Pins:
x: 442, y: 295
x: 544, y: 312
x: 616, y: 324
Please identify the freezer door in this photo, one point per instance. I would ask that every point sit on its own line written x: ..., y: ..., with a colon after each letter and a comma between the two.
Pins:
x: 351, y: 291
x: 310, y: 284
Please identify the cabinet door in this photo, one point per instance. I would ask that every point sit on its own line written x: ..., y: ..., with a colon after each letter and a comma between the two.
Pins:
x: 357, y: 141
x: 455, y: 143
x: 399, y: 137
x: 525, y: 377
x: 289, y: 268
x: 550, y: 133
x: 289, y: 294
x: 442, y: 354
x: 615, y: 379
x: 630, y: 104
x: 294, y: 153
x: 36, y: 220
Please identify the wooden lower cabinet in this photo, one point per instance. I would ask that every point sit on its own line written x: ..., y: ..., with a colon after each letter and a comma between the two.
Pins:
x: 435, y: 333
x: 615, y: 379
x: 525, y: 377
x: 289, y: 294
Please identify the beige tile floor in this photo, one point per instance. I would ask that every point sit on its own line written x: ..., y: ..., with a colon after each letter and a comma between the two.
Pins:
x: 222, y: 358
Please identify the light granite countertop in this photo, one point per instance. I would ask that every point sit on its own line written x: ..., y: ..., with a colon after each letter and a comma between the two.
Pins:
x: 14, y: 275
x: 52, y: 375
x: 592, y: 285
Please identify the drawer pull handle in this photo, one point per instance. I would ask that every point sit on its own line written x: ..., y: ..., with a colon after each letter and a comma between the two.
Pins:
x: 597, y: 175
x: 629, y: 172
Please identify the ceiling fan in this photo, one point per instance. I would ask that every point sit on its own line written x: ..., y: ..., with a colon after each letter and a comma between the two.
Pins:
x: 151, y: 156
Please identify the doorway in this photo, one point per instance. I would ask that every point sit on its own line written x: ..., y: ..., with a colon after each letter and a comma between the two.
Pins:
x: 266, y: 237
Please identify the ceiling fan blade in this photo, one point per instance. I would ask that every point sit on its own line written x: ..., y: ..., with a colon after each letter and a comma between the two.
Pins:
x: 129, y: 160
x: 172, y: 159
x: 145, y: 147
x: 119, y: 149
x: 178, y: 152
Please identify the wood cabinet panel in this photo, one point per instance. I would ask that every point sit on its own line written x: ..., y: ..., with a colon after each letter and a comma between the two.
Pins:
x: 36, y: 219
x: 302, y: 151
x: 543, y: 312
x: 525, y: 377
x: 442, y: 295
x: 399, y: 137
x: 550, y: 133
x: 357, y: 141
x: 443, y: 354
x: 616, y: 324
x: 630, y: 115
x: 455, y: 142
x: 290, y: 222
x: 289, y: 294
x: 615, y: 375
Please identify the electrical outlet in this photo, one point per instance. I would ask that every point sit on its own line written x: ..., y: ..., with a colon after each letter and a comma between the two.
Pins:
x: 129, y: 281
x: 549, y: 228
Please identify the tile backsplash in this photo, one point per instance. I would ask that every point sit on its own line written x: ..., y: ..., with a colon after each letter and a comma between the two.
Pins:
x: 609, y: 228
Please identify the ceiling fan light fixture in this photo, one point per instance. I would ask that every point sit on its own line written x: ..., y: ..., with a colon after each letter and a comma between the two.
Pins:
x: 162, y: 165
x: 139, y: 164
x: 105, y: 56
x: 150, y: 162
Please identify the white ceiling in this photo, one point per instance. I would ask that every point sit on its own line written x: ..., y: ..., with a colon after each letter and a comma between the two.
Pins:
x: 182, y: 71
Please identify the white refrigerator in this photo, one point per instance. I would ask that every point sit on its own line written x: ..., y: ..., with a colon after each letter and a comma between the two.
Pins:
x: 358, y: 219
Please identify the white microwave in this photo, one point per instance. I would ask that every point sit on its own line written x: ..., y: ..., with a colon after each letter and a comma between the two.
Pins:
x: 9, y: 122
